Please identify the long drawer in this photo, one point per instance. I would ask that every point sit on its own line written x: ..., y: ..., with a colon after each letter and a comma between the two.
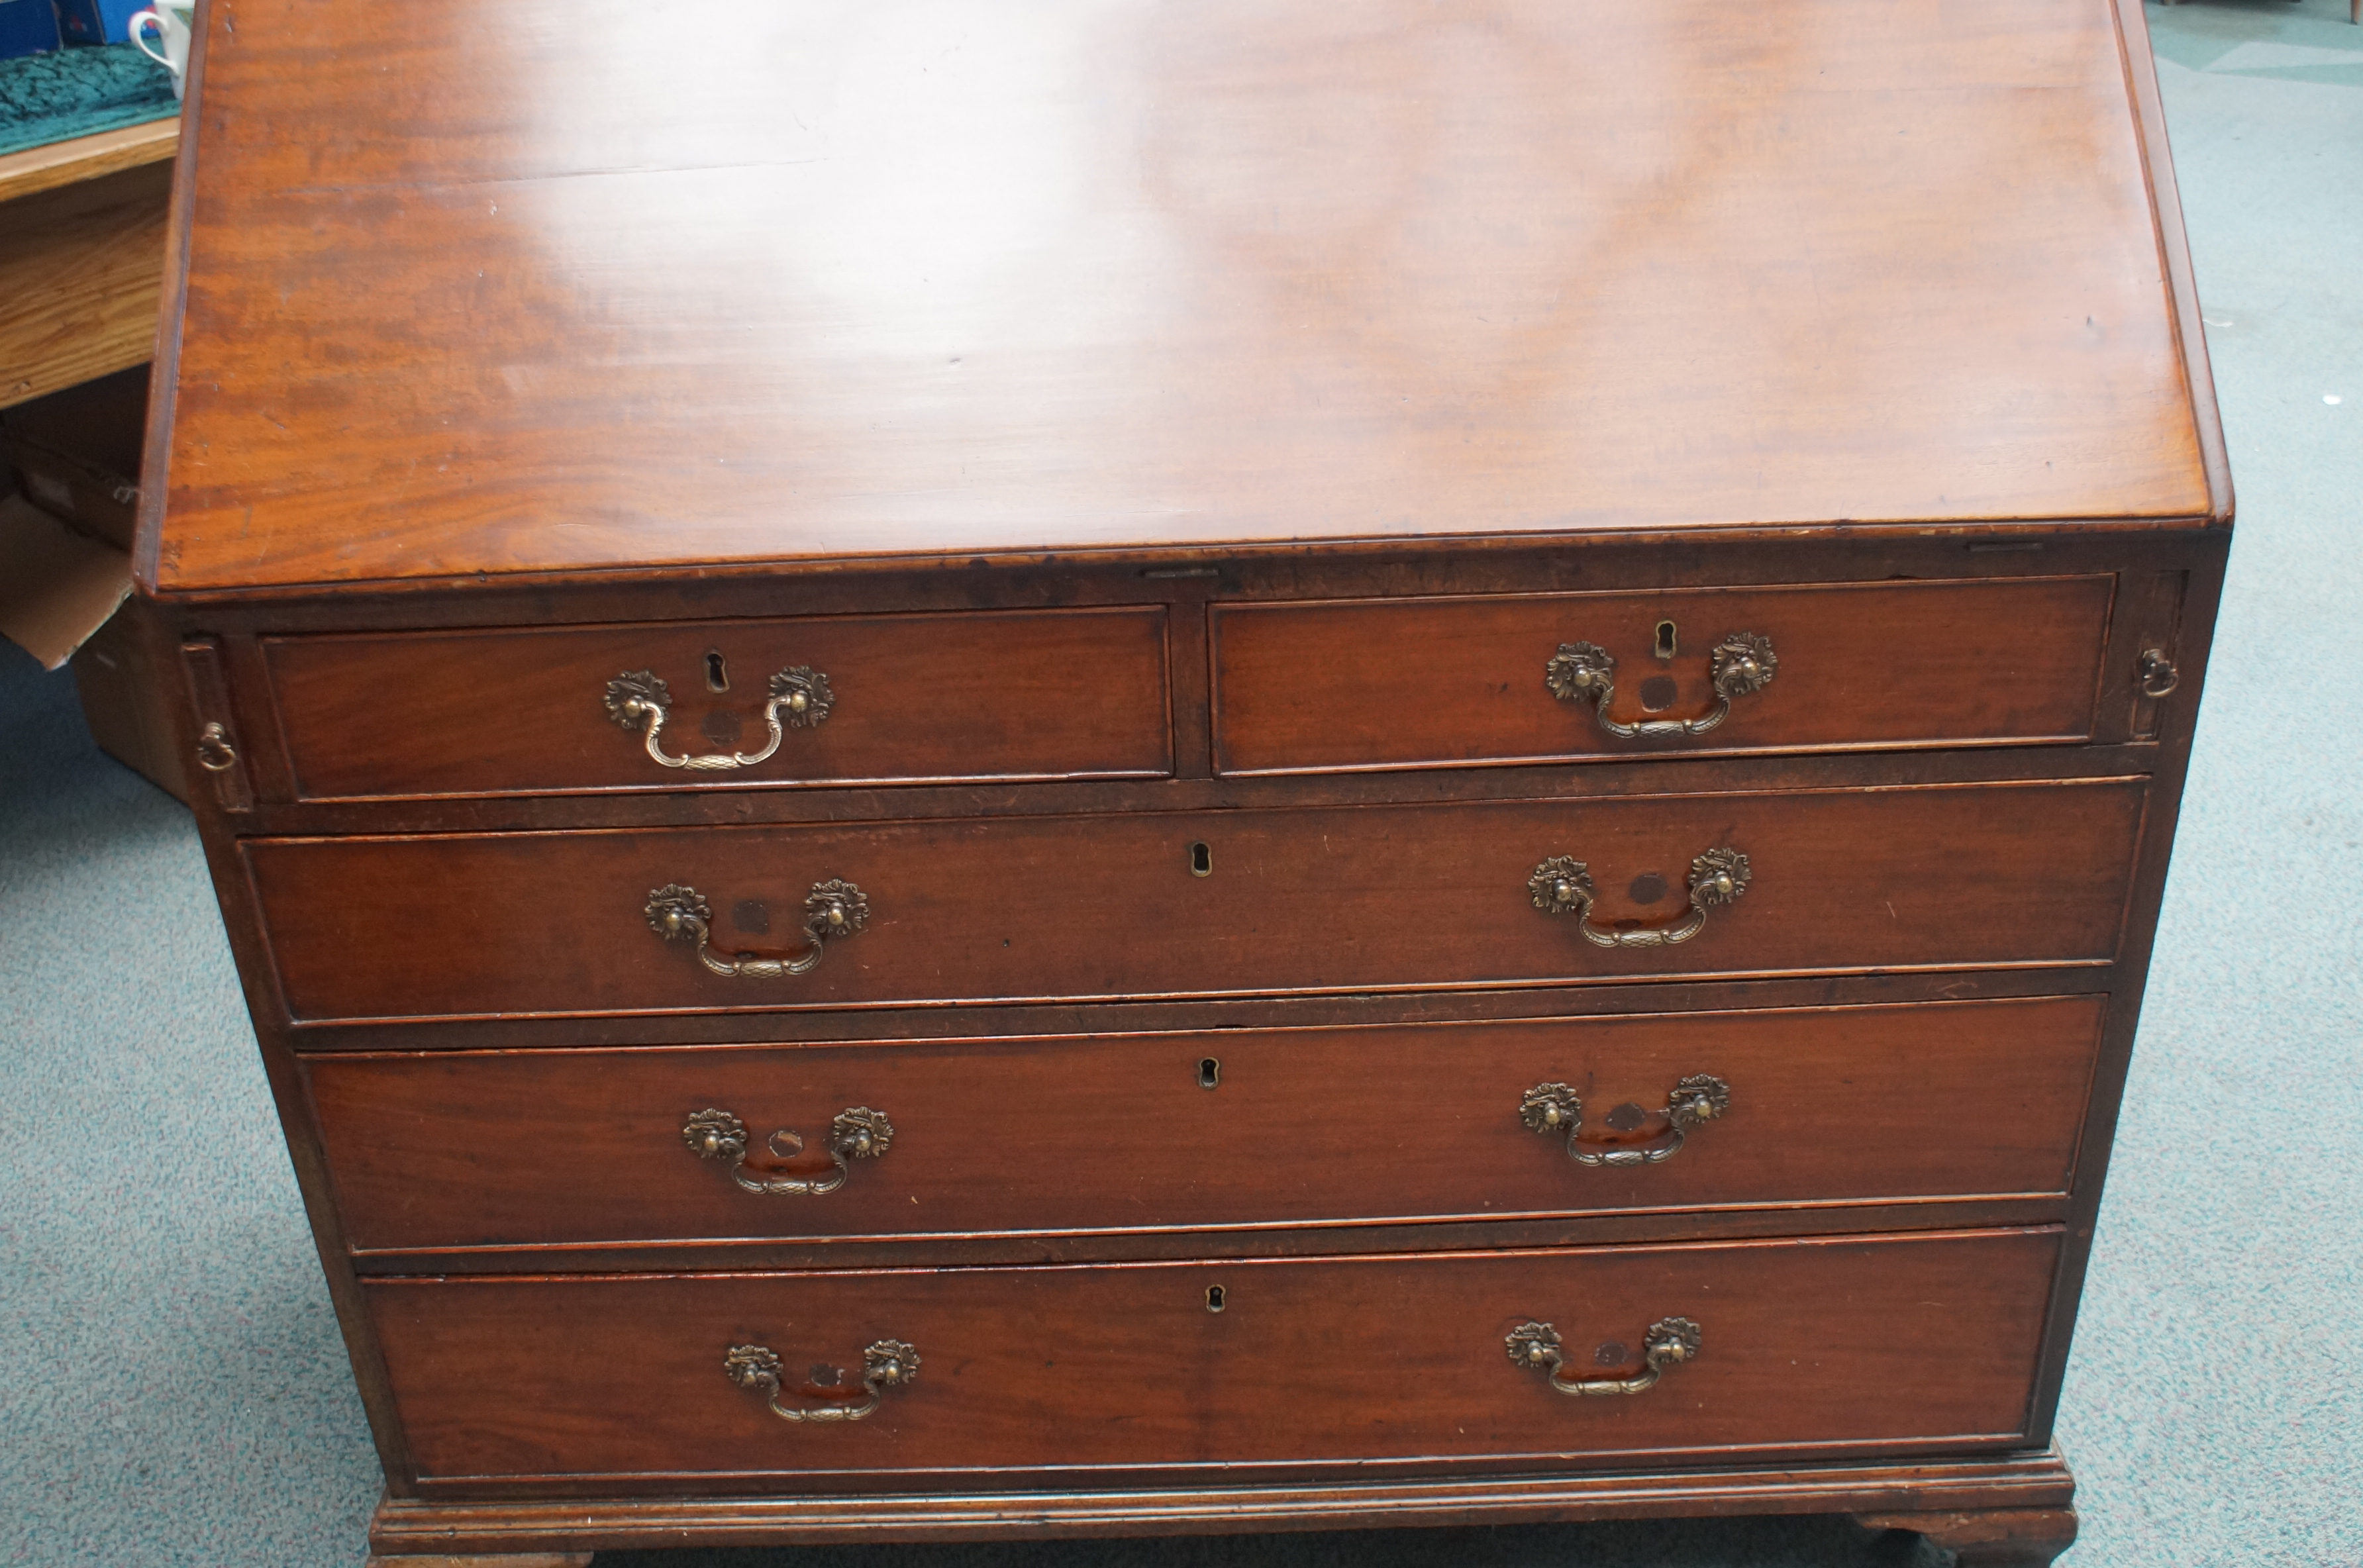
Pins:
x: 859, y: 699
x: 1188, y: 1130
x: 1210, y: 903
x: 1567, y: 677
x: 1805, y: 1347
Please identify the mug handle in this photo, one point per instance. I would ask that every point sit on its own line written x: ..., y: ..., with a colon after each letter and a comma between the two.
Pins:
x: 136, y: 29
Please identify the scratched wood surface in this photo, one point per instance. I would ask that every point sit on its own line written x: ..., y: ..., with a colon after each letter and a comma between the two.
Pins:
x: 1460, y: 680
x: 1231, y: 1128
x: 589, y: 293
x: 1842, y: 1346
x: 1396, y: 898
x: 933, y: 698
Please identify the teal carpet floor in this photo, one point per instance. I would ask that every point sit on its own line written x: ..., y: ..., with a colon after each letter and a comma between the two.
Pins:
x: 172, y: 1390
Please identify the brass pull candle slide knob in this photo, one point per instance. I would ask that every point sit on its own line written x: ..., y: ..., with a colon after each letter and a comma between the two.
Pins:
x: 1669, y: 1342
x: 886, y: 1364
x: 800, y: 700
x: 2158, y: 675
x: 1562, y: 885
x: 1697, y: 1098
x: 1740, y: 666
x: 215, y: 754
x: 833, y: 910
x: 857, y: 1133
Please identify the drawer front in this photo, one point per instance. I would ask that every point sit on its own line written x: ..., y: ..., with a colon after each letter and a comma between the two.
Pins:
x: 1174, y: 1131
x: 1334, y: 899
x: 908, y: 699
x: 1452, y: 682
x: 1824, y: 1346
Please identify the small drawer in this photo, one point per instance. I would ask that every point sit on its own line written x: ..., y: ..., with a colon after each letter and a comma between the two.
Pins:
x: 1826, y: 1347
x: 1553, y: 678
x: 829, y: 699
x: 1192, y: 1130
x: 1245, y: 902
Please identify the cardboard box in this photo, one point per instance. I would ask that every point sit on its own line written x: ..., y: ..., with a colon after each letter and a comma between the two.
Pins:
x: 65, y: 565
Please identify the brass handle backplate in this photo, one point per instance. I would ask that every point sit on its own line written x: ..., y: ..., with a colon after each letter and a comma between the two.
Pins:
x: 1562, y: 885
x: 1669, y: 1342
x: 833, y: 910
x: 639, y: 701
x: 886, y: 1364
x: 1551, y: 1108
x: 1741, y: 664
x: 857, y: 1133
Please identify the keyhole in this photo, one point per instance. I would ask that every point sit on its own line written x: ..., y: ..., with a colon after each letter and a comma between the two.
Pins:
x: 1665, y: 643
x: 717, y: 679
x: 1210, y: 1073
x: 1202, y: 860
x: 1213, y: 1298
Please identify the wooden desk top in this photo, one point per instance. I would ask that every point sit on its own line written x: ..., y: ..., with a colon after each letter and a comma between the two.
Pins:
x: 567, y: 288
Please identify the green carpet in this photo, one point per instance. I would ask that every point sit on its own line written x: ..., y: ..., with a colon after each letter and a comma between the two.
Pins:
x: 172, y: 1390
x: 80, y: 92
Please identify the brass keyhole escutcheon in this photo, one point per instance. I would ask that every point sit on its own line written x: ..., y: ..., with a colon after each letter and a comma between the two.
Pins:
x: 1215, y: 1299
x: 1663, y: 641
x: 1202, y: 860
x: 1210, y: 1072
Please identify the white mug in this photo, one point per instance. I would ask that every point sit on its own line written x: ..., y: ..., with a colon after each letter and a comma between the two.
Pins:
x: 171, y: 20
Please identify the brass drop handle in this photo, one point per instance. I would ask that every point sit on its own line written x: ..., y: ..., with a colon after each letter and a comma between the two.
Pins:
x: 1697, y: 1098
x: 857, y: 1133
x: 800, y: 699
x: 1669, y: 1342
x: 886, y: 1364
x: 833, y: 910
x: 1563, y: 886
x: 1740, y: 666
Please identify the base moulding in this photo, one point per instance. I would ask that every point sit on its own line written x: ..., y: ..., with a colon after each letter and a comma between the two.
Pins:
x: 2011, y: 1510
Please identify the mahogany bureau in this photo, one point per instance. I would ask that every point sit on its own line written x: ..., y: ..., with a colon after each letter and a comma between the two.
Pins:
x: 1067, y: 768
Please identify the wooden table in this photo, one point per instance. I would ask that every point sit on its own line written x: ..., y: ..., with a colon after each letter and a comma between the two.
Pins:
x: 81, y: 255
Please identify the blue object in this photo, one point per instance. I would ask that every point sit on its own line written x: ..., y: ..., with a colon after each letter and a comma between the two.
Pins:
x: 97, y: 21
x: 27, y: 26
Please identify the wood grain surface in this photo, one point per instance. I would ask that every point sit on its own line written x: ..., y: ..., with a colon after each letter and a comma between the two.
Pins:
x: 1125, y: 1134
x: 904, y: 324
x: 82, y: 273
x: 483, y: 1520
x: 1858, y: 1346
x: 1075, y: 694
x: 550, y: 288
x: 1355, y: 897
x: 1447, y: 682
x: 56, y: 163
